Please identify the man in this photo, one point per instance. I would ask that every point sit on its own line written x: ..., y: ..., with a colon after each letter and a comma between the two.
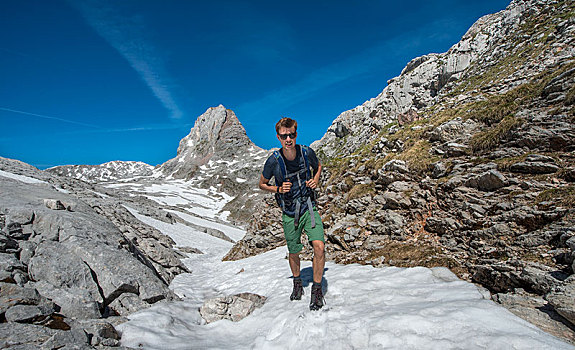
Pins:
x: 294, y: 189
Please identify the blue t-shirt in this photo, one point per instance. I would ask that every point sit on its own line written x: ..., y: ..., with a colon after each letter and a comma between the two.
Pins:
x: 271, y: 167
x: 287, y: 200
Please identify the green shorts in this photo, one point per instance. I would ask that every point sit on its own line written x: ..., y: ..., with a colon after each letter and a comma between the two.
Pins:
x: 293, y: 234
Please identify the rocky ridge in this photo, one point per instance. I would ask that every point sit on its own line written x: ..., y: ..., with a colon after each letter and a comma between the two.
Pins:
x: 499, y: 52
x: 465, y: 160
x: 217, y: 154
x: 110, y: 171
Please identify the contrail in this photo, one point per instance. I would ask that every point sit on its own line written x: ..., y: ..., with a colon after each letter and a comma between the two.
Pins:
x: 124, y: 34
x: 50, y: 117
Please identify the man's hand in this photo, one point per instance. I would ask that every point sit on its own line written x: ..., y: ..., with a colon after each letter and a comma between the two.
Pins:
x: 286, y: 186
x: 311, y: 184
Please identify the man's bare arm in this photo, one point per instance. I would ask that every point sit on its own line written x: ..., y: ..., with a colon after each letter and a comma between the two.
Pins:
x: 264, y: 185
x: 314, y: 182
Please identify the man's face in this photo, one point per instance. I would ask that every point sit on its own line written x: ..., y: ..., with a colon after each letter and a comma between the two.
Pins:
x: 288, y: 142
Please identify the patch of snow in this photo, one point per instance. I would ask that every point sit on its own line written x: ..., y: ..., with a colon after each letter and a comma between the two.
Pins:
x: 366, y: 308
x: 231, y: 231
x: 21, y: 178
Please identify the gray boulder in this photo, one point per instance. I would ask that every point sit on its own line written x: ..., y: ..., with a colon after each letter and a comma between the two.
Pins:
x: 396, y: 165
x: 441, y: 226
x: 10, y: 267
x: 29, y: 313
x: 488, y: 181
x: 453, y: 130
x: 454, y: 149
x: 540, y: 278
x: 22, y: 335
x: 100, y: 332
x: 534, y: 168
x: 75, y: 338
x: 74, y: 302
x: 391, y: 223
x: 58, y: 266
x: 395, y: 200
x: 234, y: 307
x: 563, y: 300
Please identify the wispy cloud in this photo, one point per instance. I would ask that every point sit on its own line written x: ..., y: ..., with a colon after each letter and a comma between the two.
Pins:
x: 91, y: 129
x: 126, y: 34
x: 43, y: 116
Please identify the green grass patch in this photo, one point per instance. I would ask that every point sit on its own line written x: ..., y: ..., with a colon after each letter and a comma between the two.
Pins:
x: 490, y: 138
x: 562, y: 196
x: 360, y: 190
x: 417, y: 156
x: 414, y: 254
x: 495, y: 108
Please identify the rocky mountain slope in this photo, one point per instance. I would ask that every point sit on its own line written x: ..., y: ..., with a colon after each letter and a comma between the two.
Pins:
x: 465, y: 160
x: 110, y: 171
x: 499, y: 52
x: 75, y: 260
x: 217, y: 142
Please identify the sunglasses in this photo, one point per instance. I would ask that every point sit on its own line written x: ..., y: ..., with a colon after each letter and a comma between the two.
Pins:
x: 291, y: 135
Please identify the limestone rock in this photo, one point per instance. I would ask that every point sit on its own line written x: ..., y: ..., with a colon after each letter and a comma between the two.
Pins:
x: 57, y: 265
x: 563, y: 300
x: 29, y: 313
x: 19, y: 334
x: 234, y: 307
x: 75, y: 337
x: 488, y: 181
x: 54, y: 204
x: 65, y: 261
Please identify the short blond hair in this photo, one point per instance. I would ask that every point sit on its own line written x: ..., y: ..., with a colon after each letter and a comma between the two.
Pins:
x: 286, y: 123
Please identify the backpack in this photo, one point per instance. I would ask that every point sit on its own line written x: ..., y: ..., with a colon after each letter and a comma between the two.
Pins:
x: 291, y: 205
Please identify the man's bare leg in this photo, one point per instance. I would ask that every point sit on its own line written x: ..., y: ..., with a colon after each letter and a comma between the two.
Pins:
x: 318, y: 264
x: 318, y: 260
x: 294, y: 264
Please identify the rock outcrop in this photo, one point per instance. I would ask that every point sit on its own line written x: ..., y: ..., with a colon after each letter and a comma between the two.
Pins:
x: 73, y: 263
x: 217, y: 141
x: 234, y: 307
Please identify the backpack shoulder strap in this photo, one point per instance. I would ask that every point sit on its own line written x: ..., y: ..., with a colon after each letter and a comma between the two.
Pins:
x: 304, y: 151
x: 281, y: 163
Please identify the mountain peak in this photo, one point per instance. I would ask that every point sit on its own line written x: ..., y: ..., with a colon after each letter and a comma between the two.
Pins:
x: 217, y: 135
x: 217, y: 130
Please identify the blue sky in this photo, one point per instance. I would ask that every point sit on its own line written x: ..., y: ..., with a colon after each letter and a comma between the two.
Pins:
x: 86, y: 82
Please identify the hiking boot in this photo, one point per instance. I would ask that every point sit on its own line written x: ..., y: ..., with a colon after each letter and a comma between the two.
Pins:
x: 317, y: 300
x: 297, y: 289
